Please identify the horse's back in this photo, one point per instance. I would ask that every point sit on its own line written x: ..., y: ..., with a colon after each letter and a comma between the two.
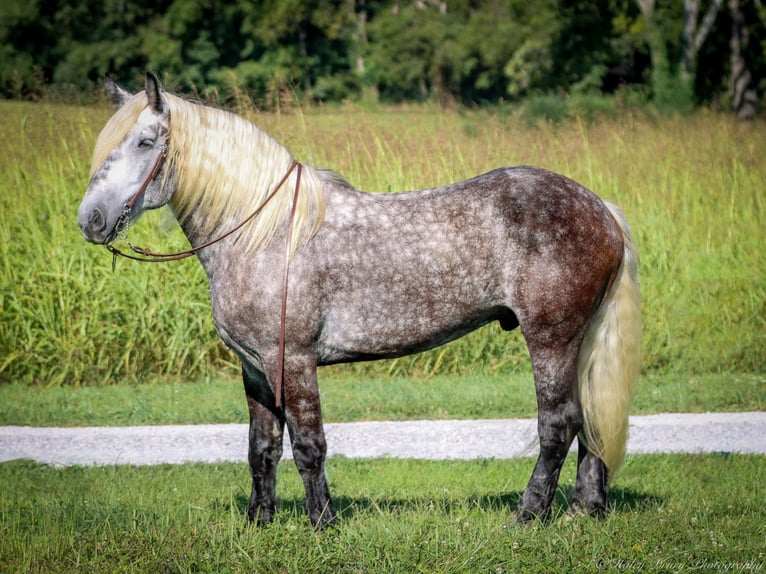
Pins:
x: 513, y: 219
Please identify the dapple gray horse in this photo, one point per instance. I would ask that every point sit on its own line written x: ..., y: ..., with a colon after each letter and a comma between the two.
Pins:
x: 374, y: 275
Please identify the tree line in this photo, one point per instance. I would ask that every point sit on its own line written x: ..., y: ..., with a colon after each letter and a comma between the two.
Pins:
x: 678, y: 53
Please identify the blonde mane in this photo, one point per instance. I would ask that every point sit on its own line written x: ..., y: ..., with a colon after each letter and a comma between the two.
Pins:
x: 224, y: 167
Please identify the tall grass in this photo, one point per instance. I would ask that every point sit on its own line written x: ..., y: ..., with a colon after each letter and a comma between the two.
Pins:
x: 692, y: 189
x: 66, y: 318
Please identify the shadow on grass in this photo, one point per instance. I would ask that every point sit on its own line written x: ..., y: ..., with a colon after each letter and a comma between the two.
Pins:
x: 621, y: 500
x: 630, y: 500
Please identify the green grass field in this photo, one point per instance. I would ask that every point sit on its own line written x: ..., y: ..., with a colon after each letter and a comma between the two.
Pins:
x: 348, y: 399
x: 669, y: 514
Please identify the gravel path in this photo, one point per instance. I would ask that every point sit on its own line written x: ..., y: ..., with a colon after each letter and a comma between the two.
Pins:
x: 695, y: 433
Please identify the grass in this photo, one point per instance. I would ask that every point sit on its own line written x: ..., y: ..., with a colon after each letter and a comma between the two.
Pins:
x: 692, y: 189
x: 669, y: 514
x: 347, y: 399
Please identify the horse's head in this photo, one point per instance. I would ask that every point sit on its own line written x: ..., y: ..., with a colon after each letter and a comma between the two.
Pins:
x: 128, y: 174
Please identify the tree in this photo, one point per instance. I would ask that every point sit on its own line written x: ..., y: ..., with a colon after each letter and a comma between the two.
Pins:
x: 695, y: 35
x: 469, y: 51
x: 743, y: 94
x: 19, y: 24
x: 672, y: 90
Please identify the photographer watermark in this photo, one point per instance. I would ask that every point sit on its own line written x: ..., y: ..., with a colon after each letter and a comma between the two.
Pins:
x: 696, y: 565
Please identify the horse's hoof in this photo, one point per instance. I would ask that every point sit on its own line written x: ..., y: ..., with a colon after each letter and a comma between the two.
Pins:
x: 582, y: 508
x: 324, y: 521
x: 528, y: 517
x: 259, y: 517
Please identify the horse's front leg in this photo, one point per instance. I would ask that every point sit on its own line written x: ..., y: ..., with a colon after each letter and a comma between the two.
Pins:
x: 265, y: 445
x: 304, y: 423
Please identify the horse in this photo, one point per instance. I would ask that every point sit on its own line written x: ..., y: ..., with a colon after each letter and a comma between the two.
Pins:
x: 381, y: 275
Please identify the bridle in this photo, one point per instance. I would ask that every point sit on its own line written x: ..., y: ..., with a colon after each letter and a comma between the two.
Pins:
x: 124, y: 220
x: 149, y: 256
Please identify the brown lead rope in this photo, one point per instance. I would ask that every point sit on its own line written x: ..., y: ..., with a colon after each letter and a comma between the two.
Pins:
x: 152, y: 257
x: 283, y: 315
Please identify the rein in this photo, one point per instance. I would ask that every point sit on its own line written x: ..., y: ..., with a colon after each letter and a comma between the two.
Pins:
x: 150, y: 256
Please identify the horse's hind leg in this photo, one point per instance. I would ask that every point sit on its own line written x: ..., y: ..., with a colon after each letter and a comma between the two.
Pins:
x: 591, y: 488
x: 558, y: 422
x: 265, y: 446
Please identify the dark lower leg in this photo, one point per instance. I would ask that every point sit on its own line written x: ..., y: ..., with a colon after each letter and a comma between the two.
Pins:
x: 541, y: 488
x: 304, y: 421
x: 310, y: 459
x: 556, y: 429
x: 559, y: 415
x: 264, y: 453
x: 591, y: 488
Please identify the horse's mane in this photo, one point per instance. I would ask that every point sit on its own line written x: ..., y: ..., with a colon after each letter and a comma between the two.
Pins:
x: 224, y: 167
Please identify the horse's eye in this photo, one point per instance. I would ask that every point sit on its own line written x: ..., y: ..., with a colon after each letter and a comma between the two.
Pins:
x: 146, y: 143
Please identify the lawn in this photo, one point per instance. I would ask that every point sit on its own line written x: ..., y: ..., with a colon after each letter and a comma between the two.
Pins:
x: 678, y: 513
x: 348, y: 397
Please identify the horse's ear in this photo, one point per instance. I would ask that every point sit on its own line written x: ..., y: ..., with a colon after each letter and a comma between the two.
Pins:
x: 117, y: 95
x: 154, y: 93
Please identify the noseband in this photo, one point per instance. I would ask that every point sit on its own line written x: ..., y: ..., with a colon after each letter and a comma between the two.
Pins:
x: 148, y: 256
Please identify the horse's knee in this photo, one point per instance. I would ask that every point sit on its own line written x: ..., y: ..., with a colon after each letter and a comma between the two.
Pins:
x: 309, y: 452
x: 265, y: 443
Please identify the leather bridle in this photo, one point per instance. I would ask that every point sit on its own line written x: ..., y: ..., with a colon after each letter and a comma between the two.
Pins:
x: 149, y: 256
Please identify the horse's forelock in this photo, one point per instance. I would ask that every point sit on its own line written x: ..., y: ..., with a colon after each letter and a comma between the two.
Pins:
x: 117, y: 128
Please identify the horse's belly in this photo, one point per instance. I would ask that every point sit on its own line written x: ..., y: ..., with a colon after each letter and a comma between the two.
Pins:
x: 377, y: 332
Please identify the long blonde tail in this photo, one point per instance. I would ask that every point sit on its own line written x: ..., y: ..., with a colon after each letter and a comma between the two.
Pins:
x: 609, y: 360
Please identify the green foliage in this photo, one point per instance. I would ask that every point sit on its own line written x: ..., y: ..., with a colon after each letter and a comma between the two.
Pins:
x: 551, y: 108
x: 466, y: 51
x: 395, y: 516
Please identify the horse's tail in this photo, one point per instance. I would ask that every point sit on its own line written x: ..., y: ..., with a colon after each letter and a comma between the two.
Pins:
x: 609, y: 360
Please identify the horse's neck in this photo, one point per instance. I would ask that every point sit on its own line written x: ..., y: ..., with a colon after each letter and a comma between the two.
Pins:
x: 215, y: 190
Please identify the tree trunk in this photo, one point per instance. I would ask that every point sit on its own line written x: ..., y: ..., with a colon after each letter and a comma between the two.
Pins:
x: 660, y: 73
x: 695, y: 36
x: 657, y: 50
x: 361, y: 35
x: 743, y: 94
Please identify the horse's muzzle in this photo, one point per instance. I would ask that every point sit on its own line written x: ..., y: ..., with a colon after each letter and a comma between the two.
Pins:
x: 94, y: 224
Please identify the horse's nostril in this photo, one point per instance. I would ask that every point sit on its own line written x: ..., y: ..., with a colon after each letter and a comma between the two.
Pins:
x: 96, y: 221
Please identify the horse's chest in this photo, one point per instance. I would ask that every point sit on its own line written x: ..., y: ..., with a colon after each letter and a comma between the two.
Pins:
x: 245, y: 301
